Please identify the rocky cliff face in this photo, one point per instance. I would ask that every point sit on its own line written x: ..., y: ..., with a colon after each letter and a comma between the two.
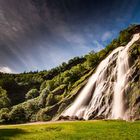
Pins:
x: 133, y: 93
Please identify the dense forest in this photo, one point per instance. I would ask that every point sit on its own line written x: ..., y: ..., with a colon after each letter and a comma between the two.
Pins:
x: 41, y: 96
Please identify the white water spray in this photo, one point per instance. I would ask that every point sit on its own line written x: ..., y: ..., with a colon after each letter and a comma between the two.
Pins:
x: 103, y: 95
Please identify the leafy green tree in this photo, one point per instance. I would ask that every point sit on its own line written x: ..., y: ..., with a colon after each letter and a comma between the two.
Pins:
x: 4, y: 100
x: 4, y: 116
x: 92, y: 60
x: 17, y: 114
x: 31, y: 108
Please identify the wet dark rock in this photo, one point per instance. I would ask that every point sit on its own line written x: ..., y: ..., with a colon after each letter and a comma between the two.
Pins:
x: 72, y: 118
x: 64, y: 118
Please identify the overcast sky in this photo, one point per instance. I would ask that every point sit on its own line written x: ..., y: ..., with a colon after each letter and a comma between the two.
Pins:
x: 41, y: 34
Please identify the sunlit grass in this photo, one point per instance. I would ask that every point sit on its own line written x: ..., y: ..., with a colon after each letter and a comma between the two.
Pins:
x: 82, y: 130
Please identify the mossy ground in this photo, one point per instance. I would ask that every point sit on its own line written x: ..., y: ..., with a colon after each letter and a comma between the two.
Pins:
x: 78, y: 130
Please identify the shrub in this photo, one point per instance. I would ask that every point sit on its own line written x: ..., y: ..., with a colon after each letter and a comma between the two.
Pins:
x: 62, y: 107
x: 43, y: 86
x: 31, y: 108
x: 4, y: 100
x: 32, y: 94
x: 42, y: 98
x: 50, y: 100
x: 17, y: 115
x: 43, y: 116
x: 4, y: 116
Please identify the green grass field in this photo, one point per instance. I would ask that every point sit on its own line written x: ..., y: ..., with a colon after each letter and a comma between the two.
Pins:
x: 78, y: 130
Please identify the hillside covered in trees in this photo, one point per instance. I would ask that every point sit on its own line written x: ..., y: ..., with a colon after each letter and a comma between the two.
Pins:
x: 42, y: 96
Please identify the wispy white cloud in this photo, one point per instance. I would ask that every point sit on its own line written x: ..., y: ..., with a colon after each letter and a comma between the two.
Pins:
x: 98, y: 45
x: 107, y: 35
x: 6, y: 69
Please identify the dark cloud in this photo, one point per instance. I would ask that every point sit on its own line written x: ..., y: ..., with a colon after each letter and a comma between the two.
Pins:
x: 35, y: 31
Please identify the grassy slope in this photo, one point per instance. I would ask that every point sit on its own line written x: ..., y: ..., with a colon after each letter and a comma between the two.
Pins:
x: 88, y: 130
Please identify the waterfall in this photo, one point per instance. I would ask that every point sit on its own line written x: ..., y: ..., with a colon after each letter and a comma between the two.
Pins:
x: 123, y: 67
x: 103, y: 95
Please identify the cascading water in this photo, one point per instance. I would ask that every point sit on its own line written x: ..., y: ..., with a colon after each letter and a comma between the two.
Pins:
x: 122, y: 80
x: 103, y: 95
